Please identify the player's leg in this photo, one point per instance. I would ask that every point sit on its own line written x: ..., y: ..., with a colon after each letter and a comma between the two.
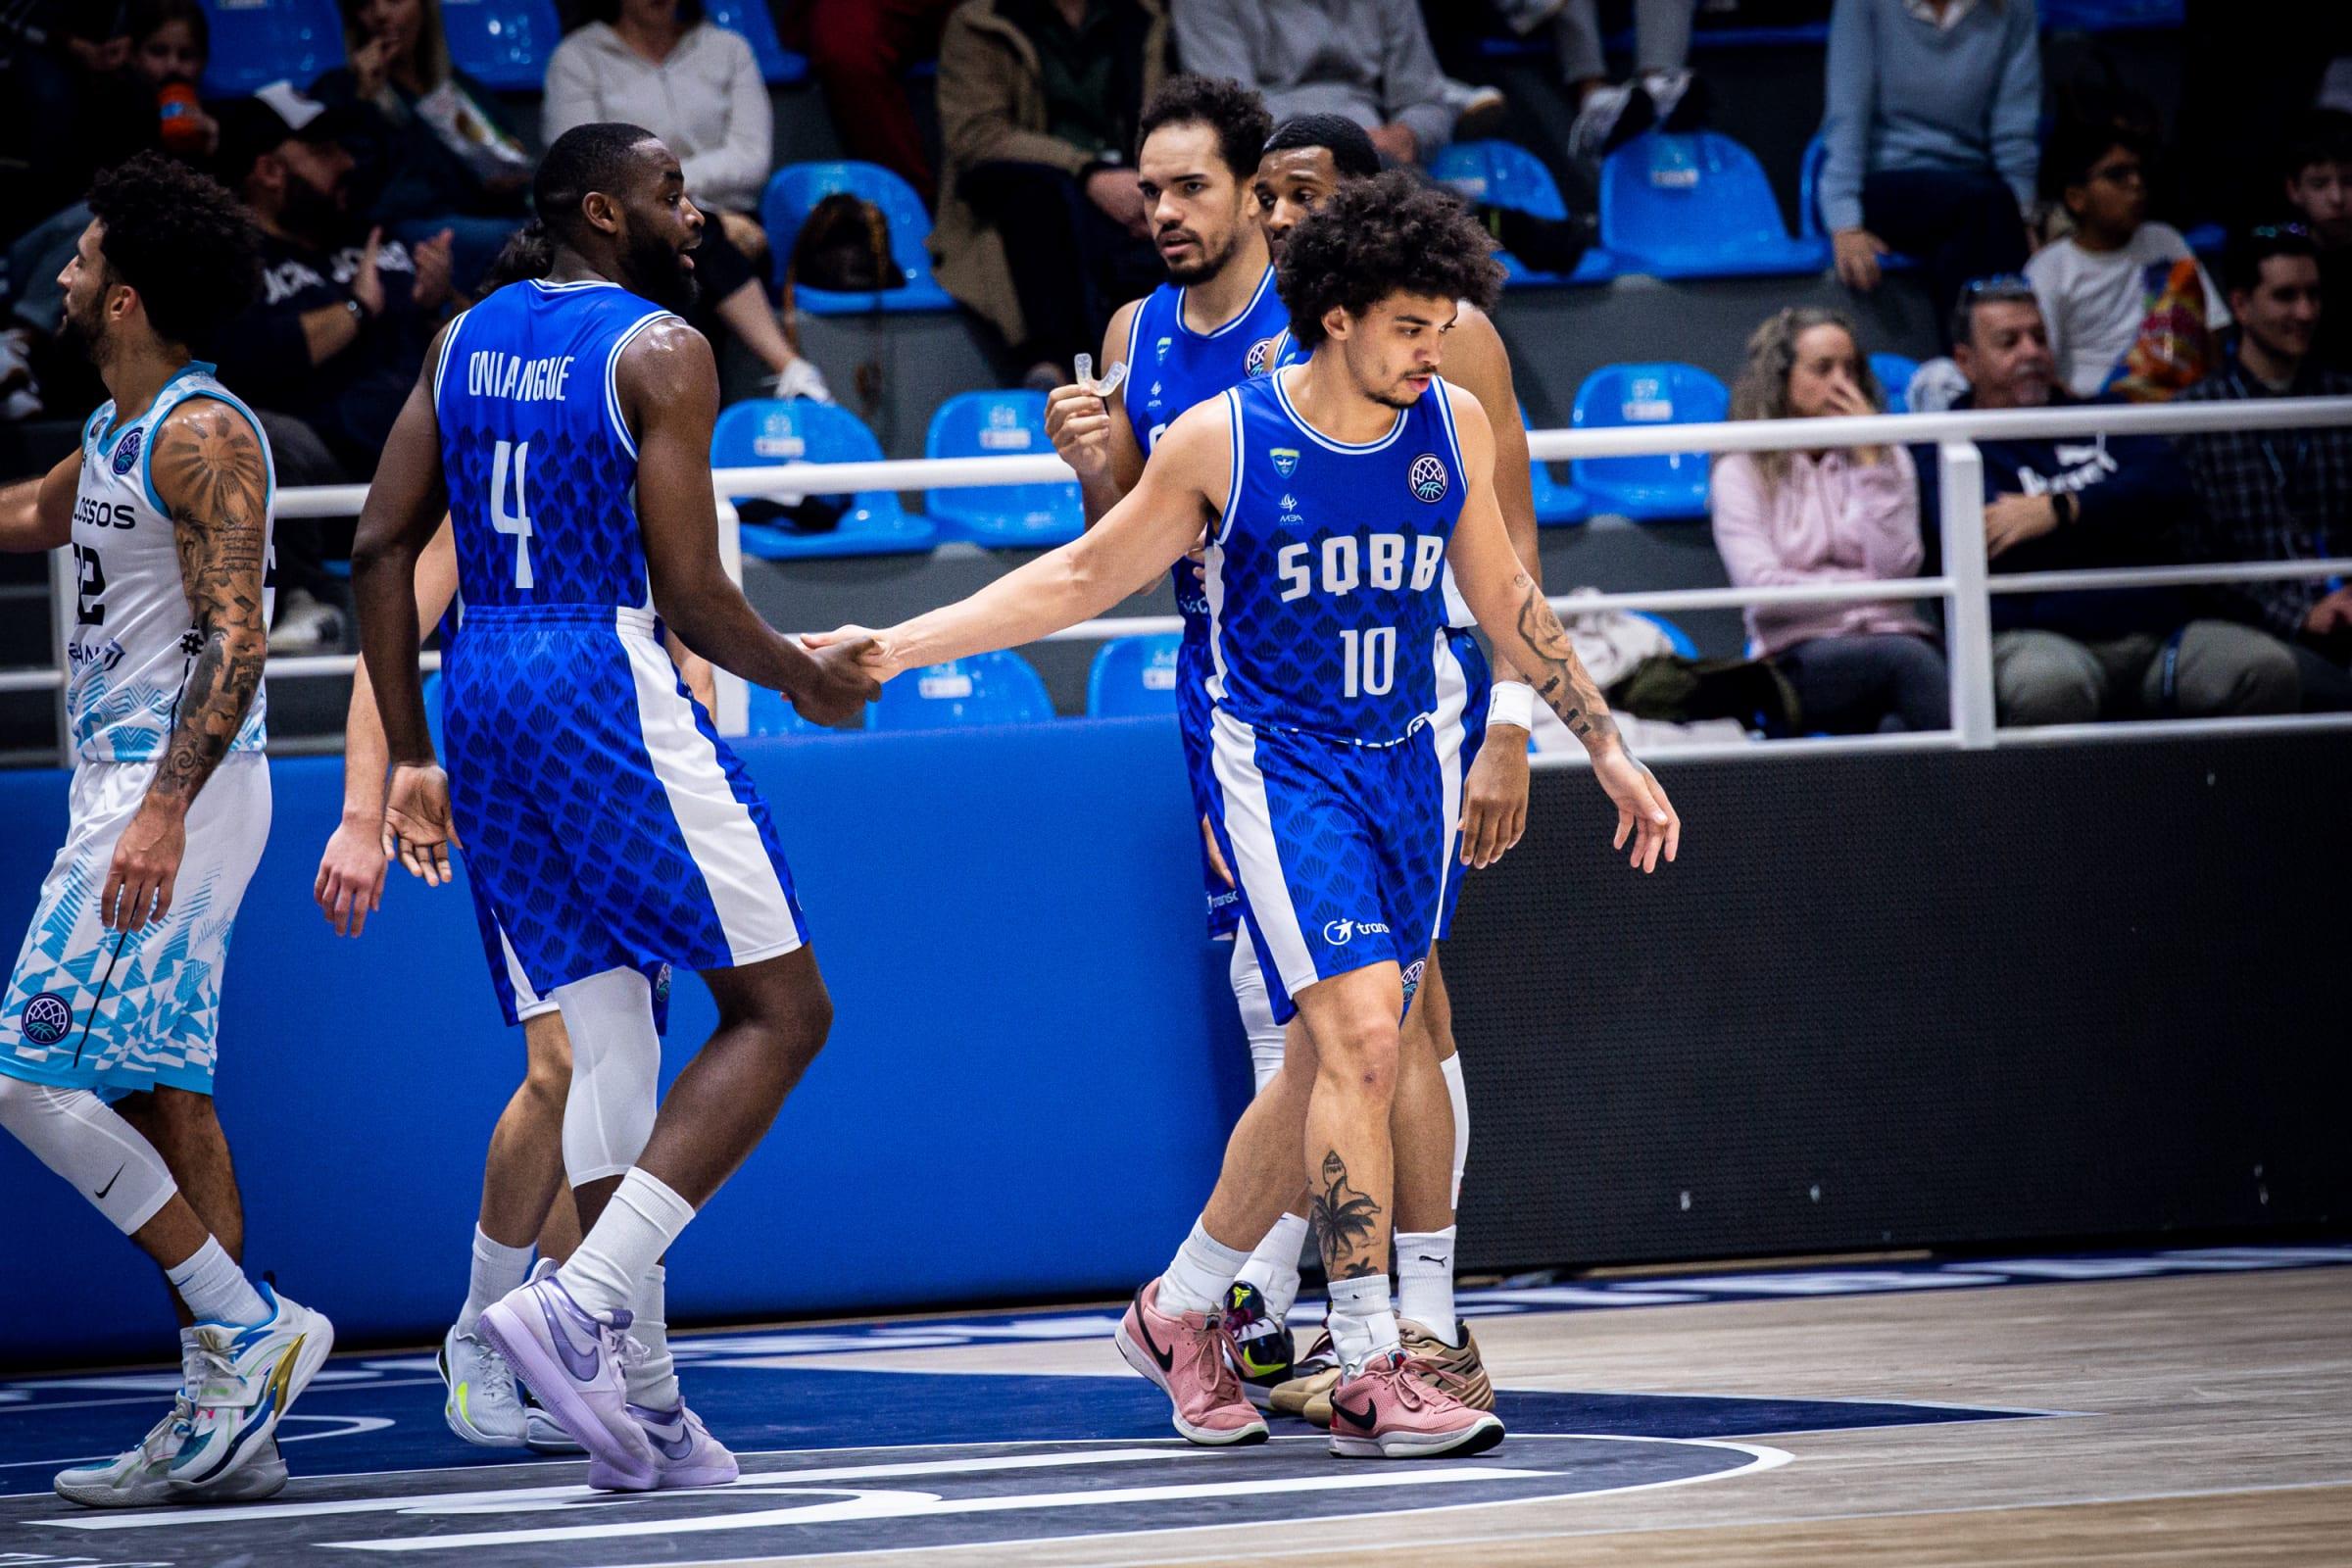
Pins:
x: 1258, y: 1307
x: 1432, y: 1128
x: 182, y: 1127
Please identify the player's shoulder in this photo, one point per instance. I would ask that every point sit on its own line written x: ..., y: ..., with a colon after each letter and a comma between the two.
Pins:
x: 1464, y: 405
x: 667, y: 355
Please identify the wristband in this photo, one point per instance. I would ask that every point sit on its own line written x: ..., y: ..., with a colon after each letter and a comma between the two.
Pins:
x: 1512, y: 703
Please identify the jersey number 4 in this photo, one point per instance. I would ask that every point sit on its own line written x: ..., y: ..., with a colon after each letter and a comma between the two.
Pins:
x: 512, y: 457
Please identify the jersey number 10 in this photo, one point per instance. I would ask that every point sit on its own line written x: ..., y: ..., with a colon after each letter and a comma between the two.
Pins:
x: 517, y: 523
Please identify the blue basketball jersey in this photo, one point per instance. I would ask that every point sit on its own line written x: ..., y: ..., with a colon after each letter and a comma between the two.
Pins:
x: 1325, y: 576
x: 541, y: 466
x: 1170, y: 368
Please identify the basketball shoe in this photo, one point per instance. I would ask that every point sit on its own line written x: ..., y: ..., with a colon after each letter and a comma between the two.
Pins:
x: 248, y: 1377
x: 1187, y: 1356
x: 1456, y: 1369
x: 1262, y: 1345
x: 1307, y: 1394
x: 141, y: 1477
x: 1394, y: 1409
x: 572, y: 1361
x: 484, y: 1406
x: 685, y: 1453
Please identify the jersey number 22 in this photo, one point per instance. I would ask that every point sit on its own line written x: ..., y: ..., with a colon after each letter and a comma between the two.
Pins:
x: 511, y: 456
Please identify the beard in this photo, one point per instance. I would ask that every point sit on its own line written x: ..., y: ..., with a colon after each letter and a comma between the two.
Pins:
x: 659, y: 273
x: 83, y: 333
x: 1211, y: 262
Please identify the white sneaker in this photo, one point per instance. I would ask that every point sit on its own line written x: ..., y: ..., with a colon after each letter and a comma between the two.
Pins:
x: 484, y: 1406
x: 248, y: 1377
x: 801, y: 379
x: 304, y: 621
x: 1612, y: 116
x: 141, y: 1478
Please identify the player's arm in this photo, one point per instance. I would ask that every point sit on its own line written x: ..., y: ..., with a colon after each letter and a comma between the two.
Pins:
x: 209, y: 474
x: 1093, y: 433
x: 406, y: 502
x: 1182, y: 486
x: 1494, y: 794
x: 668, y: 388
x: 350, y: 885
x: 1511, y: 609
x: 38, y: 514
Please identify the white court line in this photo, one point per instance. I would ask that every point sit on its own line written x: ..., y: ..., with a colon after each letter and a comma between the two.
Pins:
x: 350, y: 1426
x: 164, y: 1391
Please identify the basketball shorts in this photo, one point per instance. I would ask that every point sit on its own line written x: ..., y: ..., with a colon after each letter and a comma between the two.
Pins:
x: 1477, y: 677
x: 517, y: 1002
x: 605, y: 822
x: 1192, y: 710
x: 122, y: 1012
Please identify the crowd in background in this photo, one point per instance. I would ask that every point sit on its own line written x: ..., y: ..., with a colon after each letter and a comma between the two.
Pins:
x: 386, y: 188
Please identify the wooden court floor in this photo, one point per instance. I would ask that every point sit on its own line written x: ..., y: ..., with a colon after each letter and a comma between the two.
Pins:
x: 2209, y: 1421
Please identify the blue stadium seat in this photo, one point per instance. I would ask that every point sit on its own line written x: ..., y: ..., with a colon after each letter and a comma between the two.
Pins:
x: 504, y: 44
x: 793, y: 193
x: 1698, y: 206
x: 1502, y: 173
x: 773, y: 714
x: 1557, y: 504
x: 1894, y: 372
x: 986, y: 689
x: 1133, y: 675
x: 779, y: 66
x: 1672, y: 485
x: 1808, y: 202
x: 768, y: 430
x: 256, y: 42
x: 1676, y: 637
x: 2111, y: 16
x: 998, y: 425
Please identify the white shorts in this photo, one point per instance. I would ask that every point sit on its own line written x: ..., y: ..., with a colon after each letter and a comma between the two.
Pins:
x: 91, y: 1008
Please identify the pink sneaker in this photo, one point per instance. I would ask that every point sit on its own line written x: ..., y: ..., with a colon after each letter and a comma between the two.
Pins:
x: 1186, y: 1356
x: 1396, y: 1409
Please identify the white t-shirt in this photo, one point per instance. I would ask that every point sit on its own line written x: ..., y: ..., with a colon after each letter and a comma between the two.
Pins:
x: 2094, y: 301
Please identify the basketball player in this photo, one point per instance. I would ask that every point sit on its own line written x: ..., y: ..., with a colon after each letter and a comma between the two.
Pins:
x: 1332, y: 493
x: 116, y: 987
x: 565, y: 425
x: 1305, y: 160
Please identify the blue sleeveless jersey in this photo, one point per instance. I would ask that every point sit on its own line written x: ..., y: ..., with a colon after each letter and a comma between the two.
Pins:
x: 1326, y: 575
x: 542, y: 468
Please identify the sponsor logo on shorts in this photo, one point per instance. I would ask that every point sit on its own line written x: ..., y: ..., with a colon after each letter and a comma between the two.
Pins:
x: 1285, y: 460
x: 126, y: 452
x: 1428, y: 478
x: 47, y: 1019
x: 1339, y: 933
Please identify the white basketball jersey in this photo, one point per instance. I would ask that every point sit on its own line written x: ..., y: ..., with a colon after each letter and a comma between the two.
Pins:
x: 129, y: 649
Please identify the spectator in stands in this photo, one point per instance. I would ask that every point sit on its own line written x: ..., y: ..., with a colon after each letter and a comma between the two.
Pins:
x: 51, y: 53
x: 859, y: 51
x: 1369, y: 60
x: 2085, y: 502
x: 431, y: 147
x: 1041, y: 229
x: 659, y: 65
x: 1840, y: 515
x: 1662, y: 92
x: 2279, y: 495
x: 334, y: 344
x: 2318, y: 171
x: 1933, y: 106
x: 2120, y: 287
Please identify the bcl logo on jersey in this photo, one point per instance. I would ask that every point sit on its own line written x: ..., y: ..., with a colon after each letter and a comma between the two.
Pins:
x: 1260, y: 357
x: 126, y: 452
x: 1427, y: 478
x: 47, y: 1019
x: 1285, y: 460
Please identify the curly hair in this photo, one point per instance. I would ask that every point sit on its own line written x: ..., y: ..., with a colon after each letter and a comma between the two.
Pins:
x: 1234, y: 112
x: 1763, y: 390
x: 1391, y: 234
x: 182, y: 241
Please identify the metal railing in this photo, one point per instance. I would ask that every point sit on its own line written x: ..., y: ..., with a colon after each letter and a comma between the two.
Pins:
x: 1966, y: 587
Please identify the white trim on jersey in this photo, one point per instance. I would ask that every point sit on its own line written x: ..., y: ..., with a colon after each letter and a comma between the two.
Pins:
x: 1445, y: 732
x: 1457, y: 608
x: 1263, y: 283
x: 1256, y: 855
x: 549, y: 286
x: 1353, y: 449
x: 752, y: 907
x: 1212, y: 562
x: 621, y: 425
x: 1135, y: 381
x: 449, y: 346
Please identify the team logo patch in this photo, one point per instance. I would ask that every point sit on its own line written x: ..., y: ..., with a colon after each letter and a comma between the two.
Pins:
x: 47, y: 1019
x: 127, y: 453
x: 1428, y: 478
x: 1285, y: 460
x: 1260, y: 357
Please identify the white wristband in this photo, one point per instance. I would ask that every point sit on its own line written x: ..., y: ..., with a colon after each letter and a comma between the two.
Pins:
x: 1512, y: 703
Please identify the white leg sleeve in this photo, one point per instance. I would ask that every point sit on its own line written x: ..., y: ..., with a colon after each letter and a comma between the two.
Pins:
x: 616, y: 1072
x: 1452, y: 1068
x: 81, y: 1137
x: 1257, y: 1010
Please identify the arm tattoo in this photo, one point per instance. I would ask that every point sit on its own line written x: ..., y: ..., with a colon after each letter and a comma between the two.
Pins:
x: 1559, y: 676
x: 209, y: 473
x: 1348, y: 1224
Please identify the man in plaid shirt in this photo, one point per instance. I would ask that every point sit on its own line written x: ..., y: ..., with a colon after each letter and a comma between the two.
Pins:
x: 2279, y: 495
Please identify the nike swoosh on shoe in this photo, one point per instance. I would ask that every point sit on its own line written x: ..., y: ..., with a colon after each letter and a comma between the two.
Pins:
x: 581, y: 1364
x: 1143, y: 1326
x: 1362, y: 1420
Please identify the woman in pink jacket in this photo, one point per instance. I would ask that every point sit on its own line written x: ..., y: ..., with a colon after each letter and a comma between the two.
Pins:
x: 1842, y: 515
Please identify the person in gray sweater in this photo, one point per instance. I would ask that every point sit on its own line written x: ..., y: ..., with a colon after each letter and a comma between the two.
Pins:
x: 1369, y: 60
x: 1930, y: 137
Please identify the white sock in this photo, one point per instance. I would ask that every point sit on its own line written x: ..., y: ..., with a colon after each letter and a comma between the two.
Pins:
x: 1274, y: 1267
x: 1202, y: 1268
x: 1362, y: 1324
x: 635, y: 1229
x: 1425, y: 1282
x: 654, y: 1376
x: 215, y: 1289
x: 1451, y: 1068
x: 497, y: 1269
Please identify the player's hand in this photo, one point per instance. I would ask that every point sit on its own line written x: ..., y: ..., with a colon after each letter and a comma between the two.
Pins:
x: 1216, y: 857
x: 417, y: 824
x: 1079, y: 422
x: 366, y: 286
x: 1494, y: 797
x: 874, y: 651
x: 146, y: 865
x: 434, y: 259
x: 350, y: 885
x: 1643, y: 813
x: 843, y: 681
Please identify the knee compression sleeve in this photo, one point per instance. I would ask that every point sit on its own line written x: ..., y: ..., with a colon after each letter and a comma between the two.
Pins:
x: 82, y: 1138
x: 616, y: 1072
x: 1257, y: 1010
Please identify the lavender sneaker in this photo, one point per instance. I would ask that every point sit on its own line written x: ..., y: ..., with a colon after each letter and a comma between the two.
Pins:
x: 570, y: 1360
x: 685, y: 1453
